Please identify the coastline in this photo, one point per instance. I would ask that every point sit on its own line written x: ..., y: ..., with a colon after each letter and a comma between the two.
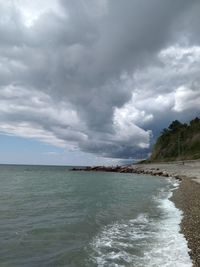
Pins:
x: 186, y: 197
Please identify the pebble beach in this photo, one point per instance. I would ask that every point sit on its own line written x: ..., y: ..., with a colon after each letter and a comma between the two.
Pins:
x: 186, y: 198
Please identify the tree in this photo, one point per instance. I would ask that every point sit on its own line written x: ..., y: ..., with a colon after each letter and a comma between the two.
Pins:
x: 175, y: 125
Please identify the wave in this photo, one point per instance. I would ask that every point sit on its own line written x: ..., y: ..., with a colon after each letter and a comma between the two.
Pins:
x: 148, y: 240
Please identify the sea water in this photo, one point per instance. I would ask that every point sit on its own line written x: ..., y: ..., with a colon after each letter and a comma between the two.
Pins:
x: 51, y: 216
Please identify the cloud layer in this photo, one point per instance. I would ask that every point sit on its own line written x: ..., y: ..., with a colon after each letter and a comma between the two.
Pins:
x: 98, y: 76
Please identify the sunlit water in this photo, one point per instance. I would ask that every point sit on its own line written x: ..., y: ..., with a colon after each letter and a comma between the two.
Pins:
x: 50, y: 216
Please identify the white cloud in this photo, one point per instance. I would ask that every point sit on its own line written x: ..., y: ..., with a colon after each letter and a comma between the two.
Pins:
x: 186, y: 99
x: 131, y: 115
x: 74, y: 75
x: 34, y: 114
x: 32, y: 10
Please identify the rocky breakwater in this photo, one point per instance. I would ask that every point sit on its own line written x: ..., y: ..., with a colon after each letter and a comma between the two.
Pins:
x: 129, y: 169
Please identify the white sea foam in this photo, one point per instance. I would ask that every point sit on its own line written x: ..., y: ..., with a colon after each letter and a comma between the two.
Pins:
x: 144, y: 241
x: 170, y: 248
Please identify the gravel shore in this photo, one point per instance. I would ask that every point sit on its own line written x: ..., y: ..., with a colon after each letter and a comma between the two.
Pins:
x: 191, y: 168
x: 187, y: 198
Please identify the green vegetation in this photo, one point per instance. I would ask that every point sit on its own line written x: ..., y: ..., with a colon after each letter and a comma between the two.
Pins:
x: 178, y: 142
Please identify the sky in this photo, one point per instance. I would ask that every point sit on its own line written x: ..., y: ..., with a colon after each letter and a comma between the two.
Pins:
x: 90, y: 82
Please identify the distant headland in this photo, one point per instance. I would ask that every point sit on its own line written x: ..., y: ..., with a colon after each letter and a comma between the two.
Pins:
x: 180, y: 141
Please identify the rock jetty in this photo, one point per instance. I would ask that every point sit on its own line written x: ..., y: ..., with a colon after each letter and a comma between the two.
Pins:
x: 128, y: 169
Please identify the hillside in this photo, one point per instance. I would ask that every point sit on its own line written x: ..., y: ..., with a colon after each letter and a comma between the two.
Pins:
x: 177, y: 142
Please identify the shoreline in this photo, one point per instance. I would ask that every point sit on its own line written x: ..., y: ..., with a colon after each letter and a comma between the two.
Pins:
x: 186, y: 197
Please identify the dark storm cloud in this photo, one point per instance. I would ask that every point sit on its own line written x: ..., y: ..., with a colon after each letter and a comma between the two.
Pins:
x: 72, y: 75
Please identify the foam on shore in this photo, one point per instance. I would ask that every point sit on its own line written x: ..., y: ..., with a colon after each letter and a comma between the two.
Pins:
x: 145, y: 240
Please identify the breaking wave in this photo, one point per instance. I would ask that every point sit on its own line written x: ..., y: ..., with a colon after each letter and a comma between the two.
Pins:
x: 151, y: 239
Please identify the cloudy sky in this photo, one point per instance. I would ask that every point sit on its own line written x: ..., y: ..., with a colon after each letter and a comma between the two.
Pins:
x: 94, y: 81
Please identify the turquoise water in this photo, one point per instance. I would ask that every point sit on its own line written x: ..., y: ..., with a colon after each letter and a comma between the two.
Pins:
x: 50, y: 216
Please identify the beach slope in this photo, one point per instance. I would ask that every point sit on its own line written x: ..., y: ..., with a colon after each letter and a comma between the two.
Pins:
x: 186, y: 198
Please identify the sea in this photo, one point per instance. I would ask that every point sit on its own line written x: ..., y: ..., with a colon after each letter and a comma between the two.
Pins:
x: 52, y: 217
